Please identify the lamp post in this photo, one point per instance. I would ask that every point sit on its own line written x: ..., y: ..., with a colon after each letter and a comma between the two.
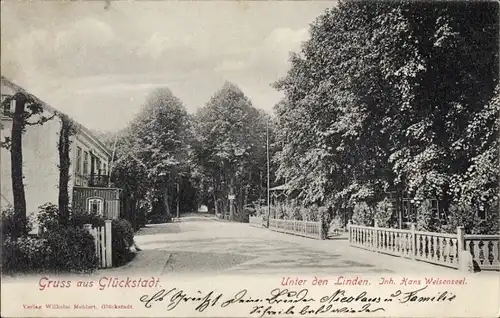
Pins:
x: 268, y: 179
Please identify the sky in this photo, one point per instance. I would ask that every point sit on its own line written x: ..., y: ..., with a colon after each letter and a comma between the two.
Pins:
x: 98, y: 65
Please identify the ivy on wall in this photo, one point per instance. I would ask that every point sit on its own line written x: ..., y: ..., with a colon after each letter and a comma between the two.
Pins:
x: 68, y: 129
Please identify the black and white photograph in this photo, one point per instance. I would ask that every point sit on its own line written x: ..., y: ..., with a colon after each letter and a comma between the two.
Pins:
x: 336, y: 143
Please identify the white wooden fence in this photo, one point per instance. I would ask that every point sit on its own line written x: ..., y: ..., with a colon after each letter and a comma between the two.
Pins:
x: 295, y: 227
x: 103, y: 243
x: 255, y: 221
x: 437, y: 248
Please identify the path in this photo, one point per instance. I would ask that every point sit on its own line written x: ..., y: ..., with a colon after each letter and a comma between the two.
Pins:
x: 204, y: 245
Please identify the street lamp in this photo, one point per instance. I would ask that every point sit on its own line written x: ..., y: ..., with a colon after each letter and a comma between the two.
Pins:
x: 268, y: 179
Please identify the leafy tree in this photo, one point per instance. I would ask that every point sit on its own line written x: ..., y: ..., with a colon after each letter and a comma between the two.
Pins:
x: 381, y: 96
x: 151, y: 152
x: 28, y: 111
x: 230, y: 148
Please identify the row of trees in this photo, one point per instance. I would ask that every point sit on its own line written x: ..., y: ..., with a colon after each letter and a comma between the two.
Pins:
x: 394, y: 96
x: 167, y: 160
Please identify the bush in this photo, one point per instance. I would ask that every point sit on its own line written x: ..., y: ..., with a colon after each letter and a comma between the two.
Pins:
x: 384, y: 213
x: 245, y: 214
x: 72, y: 249
x: 427, y: 219
x: 58, y: 249
x: 48, y: 216
x: 122, y: 240
x: 363, y: 214
x: 261, y: 211
x: 462, y: 215
x: 80, y: 218
x: 281, y: 212
x: 10, y: 221
x: 25, y: 254
x: 294, y: 212
x: 305, y: 213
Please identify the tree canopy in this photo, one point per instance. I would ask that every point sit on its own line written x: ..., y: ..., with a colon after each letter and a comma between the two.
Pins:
x: 393, y: 95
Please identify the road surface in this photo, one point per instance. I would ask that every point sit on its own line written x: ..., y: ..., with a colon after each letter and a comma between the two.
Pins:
x: 200, y: 244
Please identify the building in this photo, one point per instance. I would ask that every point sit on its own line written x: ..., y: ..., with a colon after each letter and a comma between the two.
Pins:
x: 90, y: 188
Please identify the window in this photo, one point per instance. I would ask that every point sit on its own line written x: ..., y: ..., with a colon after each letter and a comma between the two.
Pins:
x: 85, y: 163
x: 481, y: 212
x: 8, y: 108
x: 98, y: 165
x: 439, y: 213
x: 78, y: 160
x: 95, y: 206
x: 409, y: 211
x: 104, y: 169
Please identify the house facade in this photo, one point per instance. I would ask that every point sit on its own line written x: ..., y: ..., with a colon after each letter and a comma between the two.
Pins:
x: 89, y: 187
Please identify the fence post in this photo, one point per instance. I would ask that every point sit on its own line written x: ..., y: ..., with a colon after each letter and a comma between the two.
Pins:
x: 465, y: 261
x: 349, y: 230
x: 460, y: 239
x: 321, y: 237
x: 109, y: 254
x: 375, y: 238
x: 413, y: 241
x: 305, y: 226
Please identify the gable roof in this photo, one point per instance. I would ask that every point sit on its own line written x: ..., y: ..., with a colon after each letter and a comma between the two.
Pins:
x: 51, y: 109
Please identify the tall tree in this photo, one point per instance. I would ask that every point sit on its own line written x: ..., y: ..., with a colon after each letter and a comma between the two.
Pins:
x: 28, y: 111
x: 230, y: 147
x: 153, y: 150
x: 64, y: 148
x: 380, y: 94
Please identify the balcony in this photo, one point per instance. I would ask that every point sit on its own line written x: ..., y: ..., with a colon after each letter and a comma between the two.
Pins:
x: 98, y: 181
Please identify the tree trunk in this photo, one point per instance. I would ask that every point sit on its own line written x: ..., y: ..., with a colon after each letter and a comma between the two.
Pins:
x: 178, y: 198
x: 231, y: 202
x: 16, y: 157
x: 214, y: 194
x: 247, y: 188
x: 64, y: 164
x: 165, y: 201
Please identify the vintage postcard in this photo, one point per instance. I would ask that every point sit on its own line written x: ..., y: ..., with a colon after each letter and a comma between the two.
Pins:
x: 250, y: 159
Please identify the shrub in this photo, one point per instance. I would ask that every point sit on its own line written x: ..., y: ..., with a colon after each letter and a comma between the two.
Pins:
x: 363, y: 214
x: 122, y: 239
x: 261, y: 211
x: 59, y: 249
x: 466, y: 216
x: 48, y: 216
x: 427, y: 218
x: 281, y: 212
x: 9, y: 222
x: 305, y: 213
x: 72, y: 249
x: 80, y: 218
x: 294, y: 212
x: 245, y: 214
x: 25, y: 254
x: 384, y: 213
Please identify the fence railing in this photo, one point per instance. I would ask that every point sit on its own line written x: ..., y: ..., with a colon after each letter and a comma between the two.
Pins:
x: 255, y: 221
x: 103, y: 243
x: 295, y: 227
x: 437, y: 248
x: 301, y: 228
x: 485, y: 250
